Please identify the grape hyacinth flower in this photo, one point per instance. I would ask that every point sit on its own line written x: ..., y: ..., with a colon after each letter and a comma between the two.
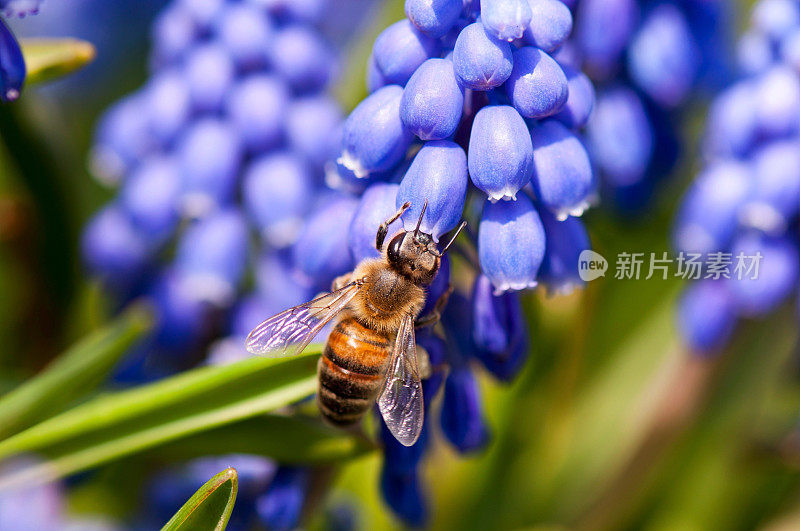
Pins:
x: 215, y: 148
x: 41, y: 506
x: 650, y: 60
x: 12, y: 64
x: 219, y: 160
x: 474, y: 115
x: 744, y: 202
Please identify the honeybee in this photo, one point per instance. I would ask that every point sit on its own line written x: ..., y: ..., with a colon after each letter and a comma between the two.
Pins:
x: 371, y: 351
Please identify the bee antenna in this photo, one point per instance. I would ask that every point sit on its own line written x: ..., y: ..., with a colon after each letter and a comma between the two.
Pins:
x: 458, y: 230
x: 419, y: 221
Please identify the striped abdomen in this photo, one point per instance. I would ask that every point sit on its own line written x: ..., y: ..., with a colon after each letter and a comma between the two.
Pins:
x: 351, y: 371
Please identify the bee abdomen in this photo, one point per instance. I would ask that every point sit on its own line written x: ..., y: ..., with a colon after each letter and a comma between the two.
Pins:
x: 351, y: 371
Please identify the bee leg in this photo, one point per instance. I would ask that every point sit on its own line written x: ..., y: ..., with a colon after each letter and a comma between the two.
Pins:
x: 384, y: 228
x: 424, y: 363
x: 436, y: 314
x: 340, y: 281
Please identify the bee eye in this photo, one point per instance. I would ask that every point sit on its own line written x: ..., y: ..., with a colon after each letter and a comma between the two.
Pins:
x: 393, y: 251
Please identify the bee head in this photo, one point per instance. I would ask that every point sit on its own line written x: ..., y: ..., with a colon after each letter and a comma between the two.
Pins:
x: 415, y: 254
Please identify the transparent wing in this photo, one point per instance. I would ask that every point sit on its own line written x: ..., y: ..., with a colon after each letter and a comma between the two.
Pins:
x: 400, y: 401
x: 290, y: 331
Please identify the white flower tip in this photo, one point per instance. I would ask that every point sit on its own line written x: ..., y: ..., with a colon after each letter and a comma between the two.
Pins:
x: 503, y: 287
x: 227, y: 351
x: 563, y: 287
x: 209, y: 288
x: 353, y: 164
x: 106, y: 166
x: 694, y: 238
x: 575, y: 211
x: 196, y: 205
x: 762, y: 216
x: 507, y: 194
x: 284, y: 232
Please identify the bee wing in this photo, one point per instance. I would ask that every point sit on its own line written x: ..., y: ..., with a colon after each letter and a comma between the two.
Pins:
x: 290, y: 331
x: 400, y: 401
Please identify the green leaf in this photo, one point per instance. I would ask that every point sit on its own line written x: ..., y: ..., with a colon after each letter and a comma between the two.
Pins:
x: 286, y: 439
x: 73, y: 374
x: 121, y: 424
x: 210, y: 507
x: 48, y: 59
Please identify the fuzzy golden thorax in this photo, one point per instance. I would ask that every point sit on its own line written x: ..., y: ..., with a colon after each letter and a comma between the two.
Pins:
x: 385, y: 297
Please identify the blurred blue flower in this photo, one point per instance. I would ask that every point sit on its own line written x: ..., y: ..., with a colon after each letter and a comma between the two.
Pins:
x: 709, y: 215
x: 706, y: 316
x: 620, y: 137
x: 12, y: 65
x: 275, y: 191
x: 33, y: 507
x: 651, y: 60
x: 756, y: 295
x: 280, y: 507
x: 603, y: 28
x: 302, y: 58
x: 312, y: 127
x: 257, y: 109
x: 113, y: 249
x: 210, y: 72
x: 731, y: 123
x: 245, y: 34
x: 150, y: 197
x: 774, y: 198
x: 500, y: 332
x: 663, y: 58
x: 212, y: 256
x: 403, y: 492
x: 777, y: 102
x: 462, y: 411
x: 377, y: 204
x: 209, y: 154
x: 321, y: 251
x: 19, y: 8
x: 219, y: 156
x: 743, y: 206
